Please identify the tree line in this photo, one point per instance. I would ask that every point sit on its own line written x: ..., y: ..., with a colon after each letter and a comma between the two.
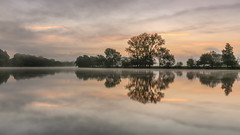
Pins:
x: 143, y: 50
x: 146, y: 49
x: 24, y: 60
x: 213, y: 59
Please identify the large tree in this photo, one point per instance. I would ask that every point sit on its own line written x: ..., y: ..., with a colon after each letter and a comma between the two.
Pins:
x: 228, y: 57
x: 113, y: 57
x: 144, y: 47
x: 4, y: 58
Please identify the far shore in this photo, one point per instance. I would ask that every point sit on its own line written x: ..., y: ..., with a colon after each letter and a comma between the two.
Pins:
x: 164, y: 68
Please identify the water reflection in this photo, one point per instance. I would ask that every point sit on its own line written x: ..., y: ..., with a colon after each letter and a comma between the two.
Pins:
x: 147, y: 88
x: 111, y: 78
x: 144, y: 86
x: 4, y: 77
x: 22, y: 74
x: 212, y: 79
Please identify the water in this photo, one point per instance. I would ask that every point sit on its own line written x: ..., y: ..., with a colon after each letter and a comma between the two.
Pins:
x: 71, y: 101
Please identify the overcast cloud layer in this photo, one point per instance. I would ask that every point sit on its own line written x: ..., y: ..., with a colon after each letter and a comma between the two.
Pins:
x: 65, y: 29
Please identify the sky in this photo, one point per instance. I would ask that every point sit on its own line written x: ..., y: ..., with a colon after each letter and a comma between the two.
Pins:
x: 65, y: 29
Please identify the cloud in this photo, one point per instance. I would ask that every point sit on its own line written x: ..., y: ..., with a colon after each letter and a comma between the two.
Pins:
x: 45, y: 27
x: 67, y: 27
x: 15, y: 31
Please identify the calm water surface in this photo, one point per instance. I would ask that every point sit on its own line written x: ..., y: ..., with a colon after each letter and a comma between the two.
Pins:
x: 70, y: 101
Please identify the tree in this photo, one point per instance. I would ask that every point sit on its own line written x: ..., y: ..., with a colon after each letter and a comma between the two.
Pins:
x: 206, y: 59
x: 179, y: 64
x: 113, y: 57
x: 228, y: 57
x: 191, y: 63
x: 4, y: 58
x: 100, y: 60
x: 24, y: 60
x: 126, y: 62
x: 165, y: 58
x: 216, y: 58
x: 144, y: 47
x: 212, y: 59
x: 83, y: 61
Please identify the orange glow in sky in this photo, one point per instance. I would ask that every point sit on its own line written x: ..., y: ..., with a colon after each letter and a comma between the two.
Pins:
x: 44, y: 27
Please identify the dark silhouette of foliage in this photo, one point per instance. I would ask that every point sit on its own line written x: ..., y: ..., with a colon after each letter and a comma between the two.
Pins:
x: 4, y: 58
x: 126, y: 62
x: 92, y: 61
x: 216, y: 58
x: 145, y: 88
x: 212, y: 59
x: 179, y: 73
x: 23, y: 60
x: 4, y: 76
x: 228, y: 57
x: 191, y: 63
x: 190, y: 75
x: 165, y: 58
x: 111, y: 78
x: 113, y: 57
x: 179, y: 64
x: 83, y: 61
x: 22, y: 74
x: 32, y: 73
x: 212, y: 79
x: 228, y: 81
x: 143, y: 48
x: 206, y: 59
x: 100, y: 61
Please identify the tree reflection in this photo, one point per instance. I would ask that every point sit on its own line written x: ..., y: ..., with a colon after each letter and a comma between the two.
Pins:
x: 147, y: 87
x: 24, y: 74
x: 228, y: 81
x: 212, y: 79
x: 4, y: 76
x: 112, y: 79
x: 28, y: 74
x: 179, y: 73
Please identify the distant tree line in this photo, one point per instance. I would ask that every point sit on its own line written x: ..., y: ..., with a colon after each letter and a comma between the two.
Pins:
x: 144, y: 50
x: 213, y: 59
x: 23, y: 60
x: 112, y: 59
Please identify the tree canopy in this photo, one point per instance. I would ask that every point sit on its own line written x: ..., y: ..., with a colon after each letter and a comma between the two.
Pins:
x: 4, y: 58
x: 143, y: 47
x: 23, y: 60
x: 191, y: 63
x: 165, y: 58
x: 113, y: 57
x: 228, y: 57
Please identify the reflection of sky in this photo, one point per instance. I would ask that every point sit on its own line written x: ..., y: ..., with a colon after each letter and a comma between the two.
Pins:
x: 63, y: 104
